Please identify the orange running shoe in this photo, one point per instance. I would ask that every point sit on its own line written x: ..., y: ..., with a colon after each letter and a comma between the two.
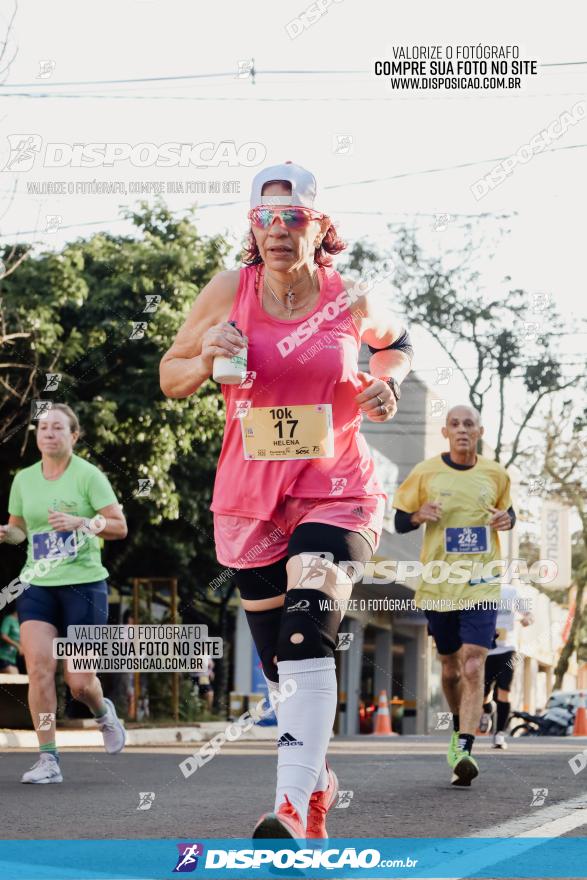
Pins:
x: 285, y: 822
x: 320, y: 804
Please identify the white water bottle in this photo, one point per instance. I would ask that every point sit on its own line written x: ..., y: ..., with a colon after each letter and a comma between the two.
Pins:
x: 231, y: 370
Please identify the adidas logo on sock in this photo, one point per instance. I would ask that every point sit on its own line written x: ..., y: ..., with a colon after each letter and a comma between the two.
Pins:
x: 287, y: 739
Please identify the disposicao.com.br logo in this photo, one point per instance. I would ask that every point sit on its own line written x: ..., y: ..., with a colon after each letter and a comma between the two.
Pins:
x: 189, y: 855
x: 27, y: 150
x: 287, y: 859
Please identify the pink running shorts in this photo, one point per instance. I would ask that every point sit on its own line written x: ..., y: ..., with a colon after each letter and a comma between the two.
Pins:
x: 242, y: 542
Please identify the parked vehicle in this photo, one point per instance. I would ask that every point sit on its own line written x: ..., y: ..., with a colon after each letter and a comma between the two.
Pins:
x: 564, y: 698
x: 555, y: 721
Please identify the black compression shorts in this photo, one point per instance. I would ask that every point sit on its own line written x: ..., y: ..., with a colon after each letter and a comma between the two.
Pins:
x: 267, y: 581
x: 499, y: 671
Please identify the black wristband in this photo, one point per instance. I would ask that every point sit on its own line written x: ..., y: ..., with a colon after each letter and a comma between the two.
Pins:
x: 403, y: 343
x: 403, y: 522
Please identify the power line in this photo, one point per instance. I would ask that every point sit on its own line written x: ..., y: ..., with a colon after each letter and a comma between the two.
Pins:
x: 415, y: 95
x: 68, y: 226
x: 105, y: 82
x: 402, y: 175
x: 224, y: 74
x: 452, y: 214
x: 443, y: 168
x: 563, y: 64
x: 425, y: 214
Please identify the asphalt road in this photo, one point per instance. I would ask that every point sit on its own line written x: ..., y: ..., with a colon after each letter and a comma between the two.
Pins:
x: 400, y: 788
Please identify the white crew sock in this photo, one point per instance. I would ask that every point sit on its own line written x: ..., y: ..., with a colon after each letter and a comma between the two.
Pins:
x: 305, y: 721
x: 273, y: 689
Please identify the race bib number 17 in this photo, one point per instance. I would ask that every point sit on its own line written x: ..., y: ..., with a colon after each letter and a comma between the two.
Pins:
x: 288, y: 432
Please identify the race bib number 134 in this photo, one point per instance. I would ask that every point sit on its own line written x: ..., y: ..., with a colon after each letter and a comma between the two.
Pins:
x: 288, y: 432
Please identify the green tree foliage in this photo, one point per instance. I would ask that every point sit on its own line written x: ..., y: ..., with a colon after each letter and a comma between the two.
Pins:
x: 484, y: 336
x: 75, y: 312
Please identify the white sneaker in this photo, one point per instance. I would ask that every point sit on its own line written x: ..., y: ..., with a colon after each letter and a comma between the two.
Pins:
x: 45, y: 770
x: 112, y: 730
x: 485, y: 722
x: 499, y: 741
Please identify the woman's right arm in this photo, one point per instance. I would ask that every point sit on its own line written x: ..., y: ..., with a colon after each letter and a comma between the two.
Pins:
x: 203, y: 335
x: 14, y: 532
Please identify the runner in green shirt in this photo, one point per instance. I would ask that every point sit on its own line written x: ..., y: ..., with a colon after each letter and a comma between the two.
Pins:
x: 9, y: 643
x: 60, y: 505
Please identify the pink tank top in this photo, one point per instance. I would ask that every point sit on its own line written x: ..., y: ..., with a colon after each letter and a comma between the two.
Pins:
x: 320, y: 370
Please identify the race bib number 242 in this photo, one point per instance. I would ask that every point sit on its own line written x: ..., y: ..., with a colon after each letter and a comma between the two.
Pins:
x: 466, y: 539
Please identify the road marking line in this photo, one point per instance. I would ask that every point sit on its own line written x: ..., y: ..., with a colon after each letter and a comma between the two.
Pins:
x: 557, y: 825
x: 529, y: 824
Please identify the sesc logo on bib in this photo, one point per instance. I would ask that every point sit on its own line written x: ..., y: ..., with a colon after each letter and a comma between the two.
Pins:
x: 466, y: 539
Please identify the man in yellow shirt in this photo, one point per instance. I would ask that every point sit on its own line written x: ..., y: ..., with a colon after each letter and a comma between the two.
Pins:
x: 464, y: 500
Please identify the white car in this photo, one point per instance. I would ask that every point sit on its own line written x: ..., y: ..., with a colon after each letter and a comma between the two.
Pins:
x: 567, y: 698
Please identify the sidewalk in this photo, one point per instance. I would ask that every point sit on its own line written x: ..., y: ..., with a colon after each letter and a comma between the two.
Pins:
x: 135, y: 736
x: 90, y: 737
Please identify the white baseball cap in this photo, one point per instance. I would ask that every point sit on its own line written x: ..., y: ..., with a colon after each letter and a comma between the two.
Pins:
x: 303, y: 186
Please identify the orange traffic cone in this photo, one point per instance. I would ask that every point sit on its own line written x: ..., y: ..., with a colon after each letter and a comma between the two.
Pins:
x: 580, y: 726
x: 383, y: 718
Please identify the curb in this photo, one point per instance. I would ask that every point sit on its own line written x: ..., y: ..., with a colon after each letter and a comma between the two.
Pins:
x: 135, y: 736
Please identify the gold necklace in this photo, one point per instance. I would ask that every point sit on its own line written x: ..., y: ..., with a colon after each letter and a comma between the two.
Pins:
x: 294, y: 284
x: 290, y: 295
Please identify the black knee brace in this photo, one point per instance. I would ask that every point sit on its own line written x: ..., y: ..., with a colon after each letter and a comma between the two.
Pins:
x: 264, y: 582
x: 317, y: 625
x: 264, y: 626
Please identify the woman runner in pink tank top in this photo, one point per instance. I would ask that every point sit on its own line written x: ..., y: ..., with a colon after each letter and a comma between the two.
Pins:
x: 296, y: 497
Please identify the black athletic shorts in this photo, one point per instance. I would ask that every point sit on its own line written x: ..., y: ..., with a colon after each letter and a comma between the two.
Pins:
x: 469, y: 626
x: 267, y: 581
x: 499, y: 671
x: 73, y: 605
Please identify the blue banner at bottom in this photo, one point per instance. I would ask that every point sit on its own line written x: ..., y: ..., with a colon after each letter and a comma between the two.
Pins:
x: 406, y: 858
